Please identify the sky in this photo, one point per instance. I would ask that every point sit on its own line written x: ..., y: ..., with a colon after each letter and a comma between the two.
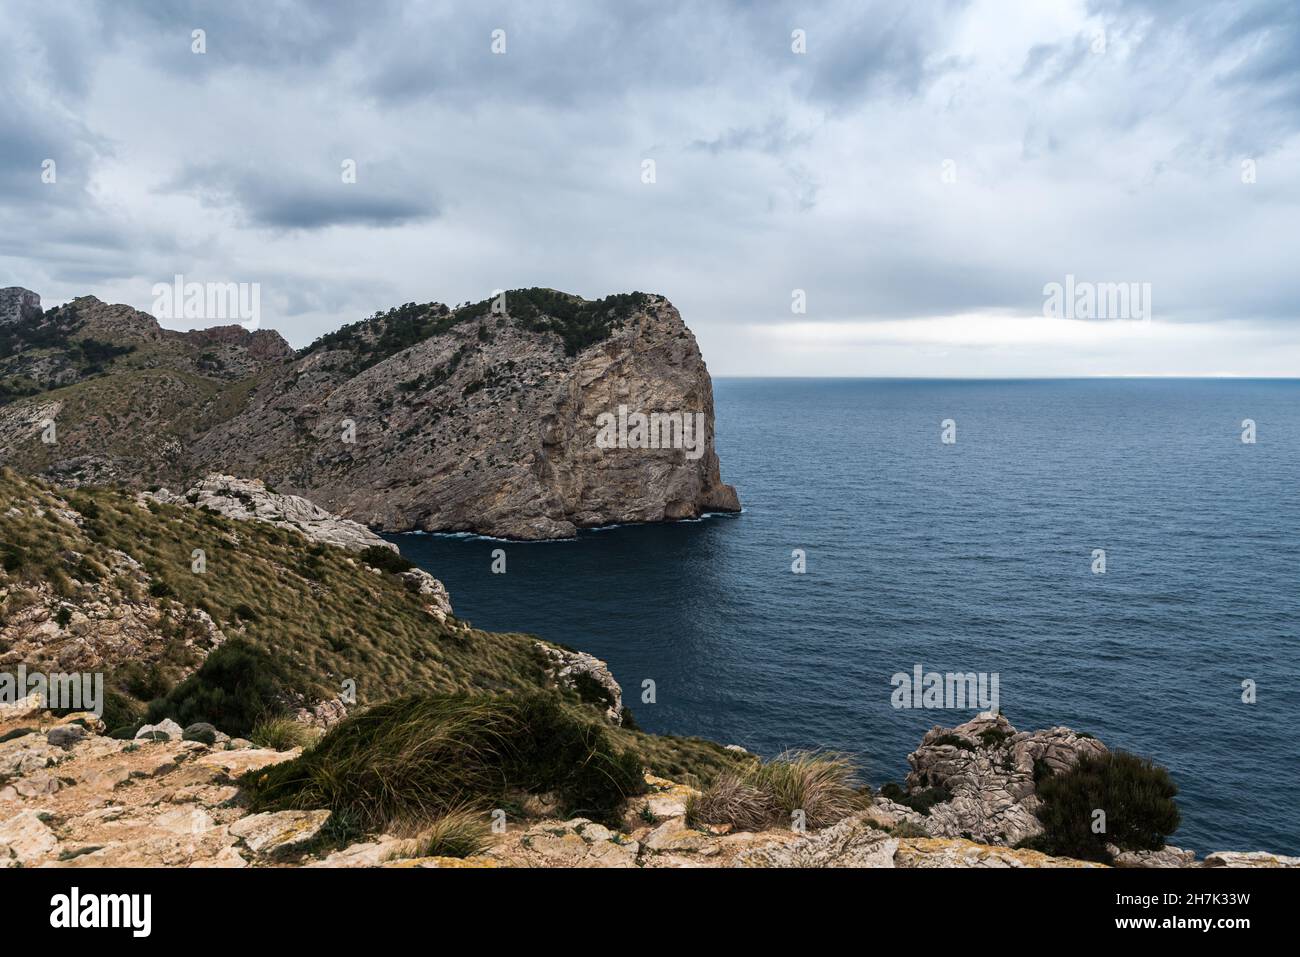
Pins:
x: 841, y: 188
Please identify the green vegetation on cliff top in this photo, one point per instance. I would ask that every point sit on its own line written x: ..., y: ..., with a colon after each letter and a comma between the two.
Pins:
x: 578, y: 322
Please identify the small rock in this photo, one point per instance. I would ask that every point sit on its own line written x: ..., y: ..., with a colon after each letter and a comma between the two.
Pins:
x: 66, y: 735
x: 200, y: 731
x: 368, y: 854
x: 27, y: 707
x: 673, y: 835
x: 1249, y: 859
x: 86, y: 719
x: 595, y: 832
x: 1167, y: 856
x: 165, y: 730
x: 28, y: 838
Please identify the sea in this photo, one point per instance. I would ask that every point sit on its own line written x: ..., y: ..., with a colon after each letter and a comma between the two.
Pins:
x: 1112, y: 550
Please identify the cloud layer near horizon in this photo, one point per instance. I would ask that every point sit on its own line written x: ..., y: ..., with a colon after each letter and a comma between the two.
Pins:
x: 921, y: 172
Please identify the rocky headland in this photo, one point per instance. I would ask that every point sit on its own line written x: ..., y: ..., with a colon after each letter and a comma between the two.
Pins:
x: 481, y: 418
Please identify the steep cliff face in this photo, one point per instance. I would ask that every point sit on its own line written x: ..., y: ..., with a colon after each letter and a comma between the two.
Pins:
x: 488, y: 426
x: 482, y: 418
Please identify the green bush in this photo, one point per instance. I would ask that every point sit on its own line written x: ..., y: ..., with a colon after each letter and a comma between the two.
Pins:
x: 423, y: 756
x: 921, y: 801
x: 385, y: 559
x: 121, y: 713
x: 236, y: 687
x: 1136, y: 794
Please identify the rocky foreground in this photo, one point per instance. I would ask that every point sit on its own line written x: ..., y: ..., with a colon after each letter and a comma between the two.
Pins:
x: 71, y: 797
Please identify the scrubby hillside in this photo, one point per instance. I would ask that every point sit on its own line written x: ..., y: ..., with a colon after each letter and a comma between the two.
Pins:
x: 124, y: 395
x: 105, y: 580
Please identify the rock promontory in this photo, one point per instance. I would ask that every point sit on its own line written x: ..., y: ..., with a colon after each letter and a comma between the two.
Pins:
x: 526, y: 416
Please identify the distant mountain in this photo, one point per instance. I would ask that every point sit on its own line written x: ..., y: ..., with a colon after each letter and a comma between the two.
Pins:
x: 479, y: 418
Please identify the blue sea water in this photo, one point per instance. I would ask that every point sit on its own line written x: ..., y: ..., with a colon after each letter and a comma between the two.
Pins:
x: 975, y: 556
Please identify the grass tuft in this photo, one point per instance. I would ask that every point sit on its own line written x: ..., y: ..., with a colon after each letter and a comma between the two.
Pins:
x: 282, y: 734
x: 821, y: 785
x: 424, y: 756
x: 462, y: 832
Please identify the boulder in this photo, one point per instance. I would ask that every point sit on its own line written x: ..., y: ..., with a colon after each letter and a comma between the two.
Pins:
x: 279, y: 832
x: 25, y: 839
x: 23, y: 708
x: 853, y: 842
x: 165, y: 730
x: 66, y: 735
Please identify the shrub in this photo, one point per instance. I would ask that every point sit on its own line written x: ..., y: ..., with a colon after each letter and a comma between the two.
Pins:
x: 141, y: 681
x: 423, y: 756
x: 281, y: 734
x: 822, y: 786
x: 236, y: 687
x: 385, y: 559
x: 993, y: 737
x: 121, y: 713
x: 908, y: 829
x: 1136, y: 794
x: 921, y: 801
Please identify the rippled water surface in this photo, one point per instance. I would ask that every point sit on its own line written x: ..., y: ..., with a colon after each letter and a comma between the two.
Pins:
x: 968, y: 557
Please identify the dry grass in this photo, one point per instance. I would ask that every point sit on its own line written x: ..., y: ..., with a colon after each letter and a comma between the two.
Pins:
x: 461, y: 832
x: 283, y: 734
x: 821, y: 785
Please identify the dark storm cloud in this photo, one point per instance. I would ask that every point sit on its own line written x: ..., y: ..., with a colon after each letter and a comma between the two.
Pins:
x: 582, y: 51
x: 307, y: 199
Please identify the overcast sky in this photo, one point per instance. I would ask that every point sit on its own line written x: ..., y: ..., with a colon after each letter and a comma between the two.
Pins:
x: 921, y: 172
